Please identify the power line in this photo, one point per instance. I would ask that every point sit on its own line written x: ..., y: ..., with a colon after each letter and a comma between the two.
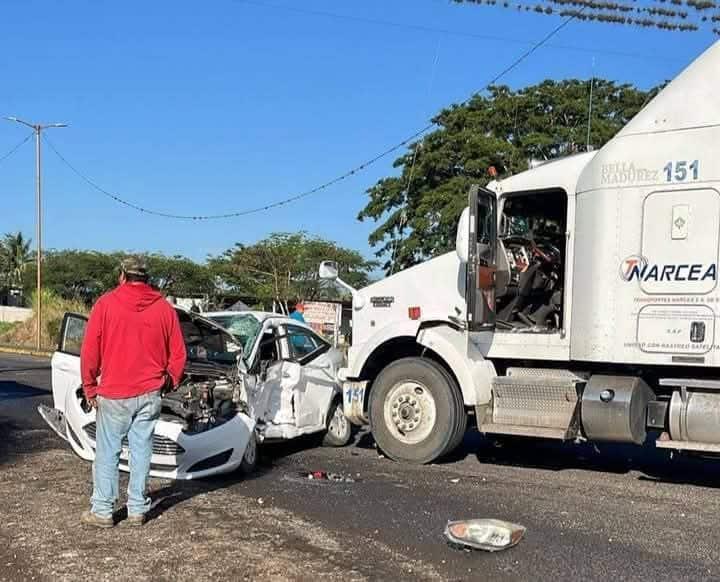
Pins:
x: 240, y: 213
x: 321, y: 187
x: 16, y: 148
x: 450, y: 32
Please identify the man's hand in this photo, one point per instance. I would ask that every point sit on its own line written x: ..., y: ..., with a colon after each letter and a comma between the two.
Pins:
x: 92, y: 402
x: 168, y: 385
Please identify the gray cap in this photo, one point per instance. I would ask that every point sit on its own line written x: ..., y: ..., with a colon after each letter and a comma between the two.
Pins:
x: 134, y: 265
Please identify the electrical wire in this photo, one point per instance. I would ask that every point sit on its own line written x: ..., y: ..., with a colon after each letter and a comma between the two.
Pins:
x: 321, y: 187
x: 403, y: 213
x: 450, y: 32
x: 16, y: 148
x: 248, y: 211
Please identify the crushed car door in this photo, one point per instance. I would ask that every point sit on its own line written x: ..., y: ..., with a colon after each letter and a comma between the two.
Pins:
x: 65, y: 361
x: 313, y: 371
x: 272, y: 395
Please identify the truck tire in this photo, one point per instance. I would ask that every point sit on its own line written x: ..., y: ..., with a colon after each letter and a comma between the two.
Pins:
x: 416, y: 411
x: 461, y: 427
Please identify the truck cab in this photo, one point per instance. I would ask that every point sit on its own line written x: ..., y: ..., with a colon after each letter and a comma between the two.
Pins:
x: 580, y: 303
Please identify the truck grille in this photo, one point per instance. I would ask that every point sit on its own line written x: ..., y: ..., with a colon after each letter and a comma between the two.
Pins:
x: 161, y: 445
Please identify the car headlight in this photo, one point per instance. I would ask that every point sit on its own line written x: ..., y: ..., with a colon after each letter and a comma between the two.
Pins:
x: 490, y: 535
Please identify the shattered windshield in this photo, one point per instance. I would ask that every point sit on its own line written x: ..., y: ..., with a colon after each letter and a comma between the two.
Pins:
x: 243, y: 326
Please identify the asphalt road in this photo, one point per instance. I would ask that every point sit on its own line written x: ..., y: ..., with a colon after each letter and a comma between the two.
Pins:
x: 619, y: 513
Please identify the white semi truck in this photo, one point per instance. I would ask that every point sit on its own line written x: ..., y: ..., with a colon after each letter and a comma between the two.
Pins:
x: 581, y: 302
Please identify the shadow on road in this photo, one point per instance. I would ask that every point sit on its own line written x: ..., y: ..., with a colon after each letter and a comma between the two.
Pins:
x: 18, y: 439
x: 177, y: 492
x: 40, y: 368
x: 11, y: 390
x: 280, y: 449
x: 655, y: 464
x: 19, y: 421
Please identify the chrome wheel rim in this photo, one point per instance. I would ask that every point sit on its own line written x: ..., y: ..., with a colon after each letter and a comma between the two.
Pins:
x: 338, y: 423
x: 410, y: 412
x: 251, y: 451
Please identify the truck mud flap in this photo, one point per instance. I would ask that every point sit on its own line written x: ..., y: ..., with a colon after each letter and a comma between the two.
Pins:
x: 55, y: 420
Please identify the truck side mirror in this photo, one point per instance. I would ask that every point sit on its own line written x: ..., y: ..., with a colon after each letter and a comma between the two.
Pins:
x: 328, y: 271
x: 462, y: 239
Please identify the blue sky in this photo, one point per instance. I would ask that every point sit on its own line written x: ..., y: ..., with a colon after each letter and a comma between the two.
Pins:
x: 204, y: 108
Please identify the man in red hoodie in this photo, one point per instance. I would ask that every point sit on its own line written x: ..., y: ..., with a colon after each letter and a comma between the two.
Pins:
x: 133, y: 348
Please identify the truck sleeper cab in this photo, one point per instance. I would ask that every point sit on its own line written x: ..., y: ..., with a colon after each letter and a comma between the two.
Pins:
x: 580, y: 303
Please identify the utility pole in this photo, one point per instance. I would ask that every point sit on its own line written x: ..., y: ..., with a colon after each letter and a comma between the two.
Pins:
x: 38, y: 129
x: 590, y: 104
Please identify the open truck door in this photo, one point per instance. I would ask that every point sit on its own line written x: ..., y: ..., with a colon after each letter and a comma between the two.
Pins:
x: 481, y: 258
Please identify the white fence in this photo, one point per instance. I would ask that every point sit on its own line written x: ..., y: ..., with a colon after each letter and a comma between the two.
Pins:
x: 13, y: 314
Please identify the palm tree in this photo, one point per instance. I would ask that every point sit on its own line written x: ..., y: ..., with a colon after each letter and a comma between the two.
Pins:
x: 16, y: 256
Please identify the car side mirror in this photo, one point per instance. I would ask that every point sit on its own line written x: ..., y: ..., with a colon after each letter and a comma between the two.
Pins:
x: 328, y: 271
x: 462, y: 239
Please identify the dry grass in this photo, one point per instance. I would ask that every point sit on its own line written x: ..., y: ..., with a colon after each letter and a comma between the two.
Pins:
x: 53, y: 309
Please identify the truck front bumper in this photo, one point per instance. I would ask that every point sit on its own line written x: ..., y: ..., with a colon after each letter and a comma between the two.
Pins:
x: 354, y: 401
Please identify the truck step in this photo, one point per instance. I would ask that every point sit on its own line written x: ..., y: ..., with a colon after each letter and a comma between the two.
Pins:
x: 529, y: 431
x: 688, y: 446
x: 537, y: 403
x: 545, y: 373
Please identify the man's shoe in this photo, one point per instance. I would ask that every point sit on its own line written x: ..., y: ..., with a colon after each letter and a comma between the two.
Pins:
x: 89, y: 518
x: 136, y: 520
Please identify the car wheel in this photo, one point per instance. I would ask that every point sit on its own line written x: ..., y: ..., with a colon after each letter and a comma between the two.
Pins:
x: 416, y: 411
x: 339, y: 429
x: 250, y: 458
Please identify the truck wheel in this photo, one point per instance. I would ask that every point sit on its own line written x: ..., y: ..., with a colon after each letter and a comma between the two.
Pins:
x: 416, y: 411
x: 339, y: 430
x: 461, y: 426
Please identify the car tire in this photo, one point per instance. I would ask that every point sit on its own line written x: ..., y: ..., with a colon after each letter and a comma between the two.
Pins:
x: 339, y: 429
x: 250, y: 457
x: 416, y: 411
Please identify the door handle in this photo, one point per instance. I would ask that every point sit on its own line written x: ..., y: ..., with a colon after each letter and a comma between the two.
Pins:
x: 286, y: 374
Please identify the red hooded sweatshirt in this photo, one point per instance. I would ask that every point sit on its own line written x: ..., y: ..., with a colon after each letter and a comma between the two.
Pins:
x: 132, y: 340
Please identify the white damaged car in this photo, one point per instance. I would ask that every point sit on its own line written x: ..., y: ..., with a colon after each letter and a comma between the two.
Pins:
x: 272, y: 378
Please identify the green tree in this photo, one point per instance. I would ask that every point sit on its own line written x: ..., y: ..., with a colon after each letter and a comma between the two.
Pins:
x: 85, y: 275
x: 418, y: 210
x: 179, y: 276
x: 283, y: 268
x: 15, y: 257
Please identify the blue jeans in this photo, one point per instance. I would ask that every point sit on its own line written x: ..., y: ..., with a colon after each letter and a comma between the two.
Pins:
x: 116, y: 419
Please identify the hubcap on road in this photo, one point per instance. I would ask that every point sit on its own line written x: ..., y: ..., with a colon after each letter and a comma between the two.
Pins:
x: 410, y: 412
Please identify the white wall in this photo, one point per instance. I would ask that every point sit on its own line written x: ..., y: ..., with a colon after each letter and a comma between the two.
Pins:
x: 12, y: 314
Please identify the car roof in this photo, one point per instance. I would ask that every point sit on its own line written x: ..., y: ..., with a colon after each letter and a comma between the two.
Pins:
x: 261, y: 316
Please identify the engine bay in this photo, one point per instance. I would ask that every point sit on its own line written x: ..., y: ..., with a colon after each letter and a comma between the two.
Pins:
x: 531, y: 262
x: 212, y: 390
x: 207, y: 397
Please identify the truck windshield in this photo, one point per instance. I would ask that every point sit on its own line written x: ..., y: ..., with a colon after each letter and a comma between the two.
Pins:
x: 243, y: 326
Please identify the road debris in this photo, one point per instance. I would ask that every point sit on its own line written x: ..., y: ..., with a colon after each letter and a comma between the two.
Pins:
x: 490, y: 535
x: 325, y: 476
